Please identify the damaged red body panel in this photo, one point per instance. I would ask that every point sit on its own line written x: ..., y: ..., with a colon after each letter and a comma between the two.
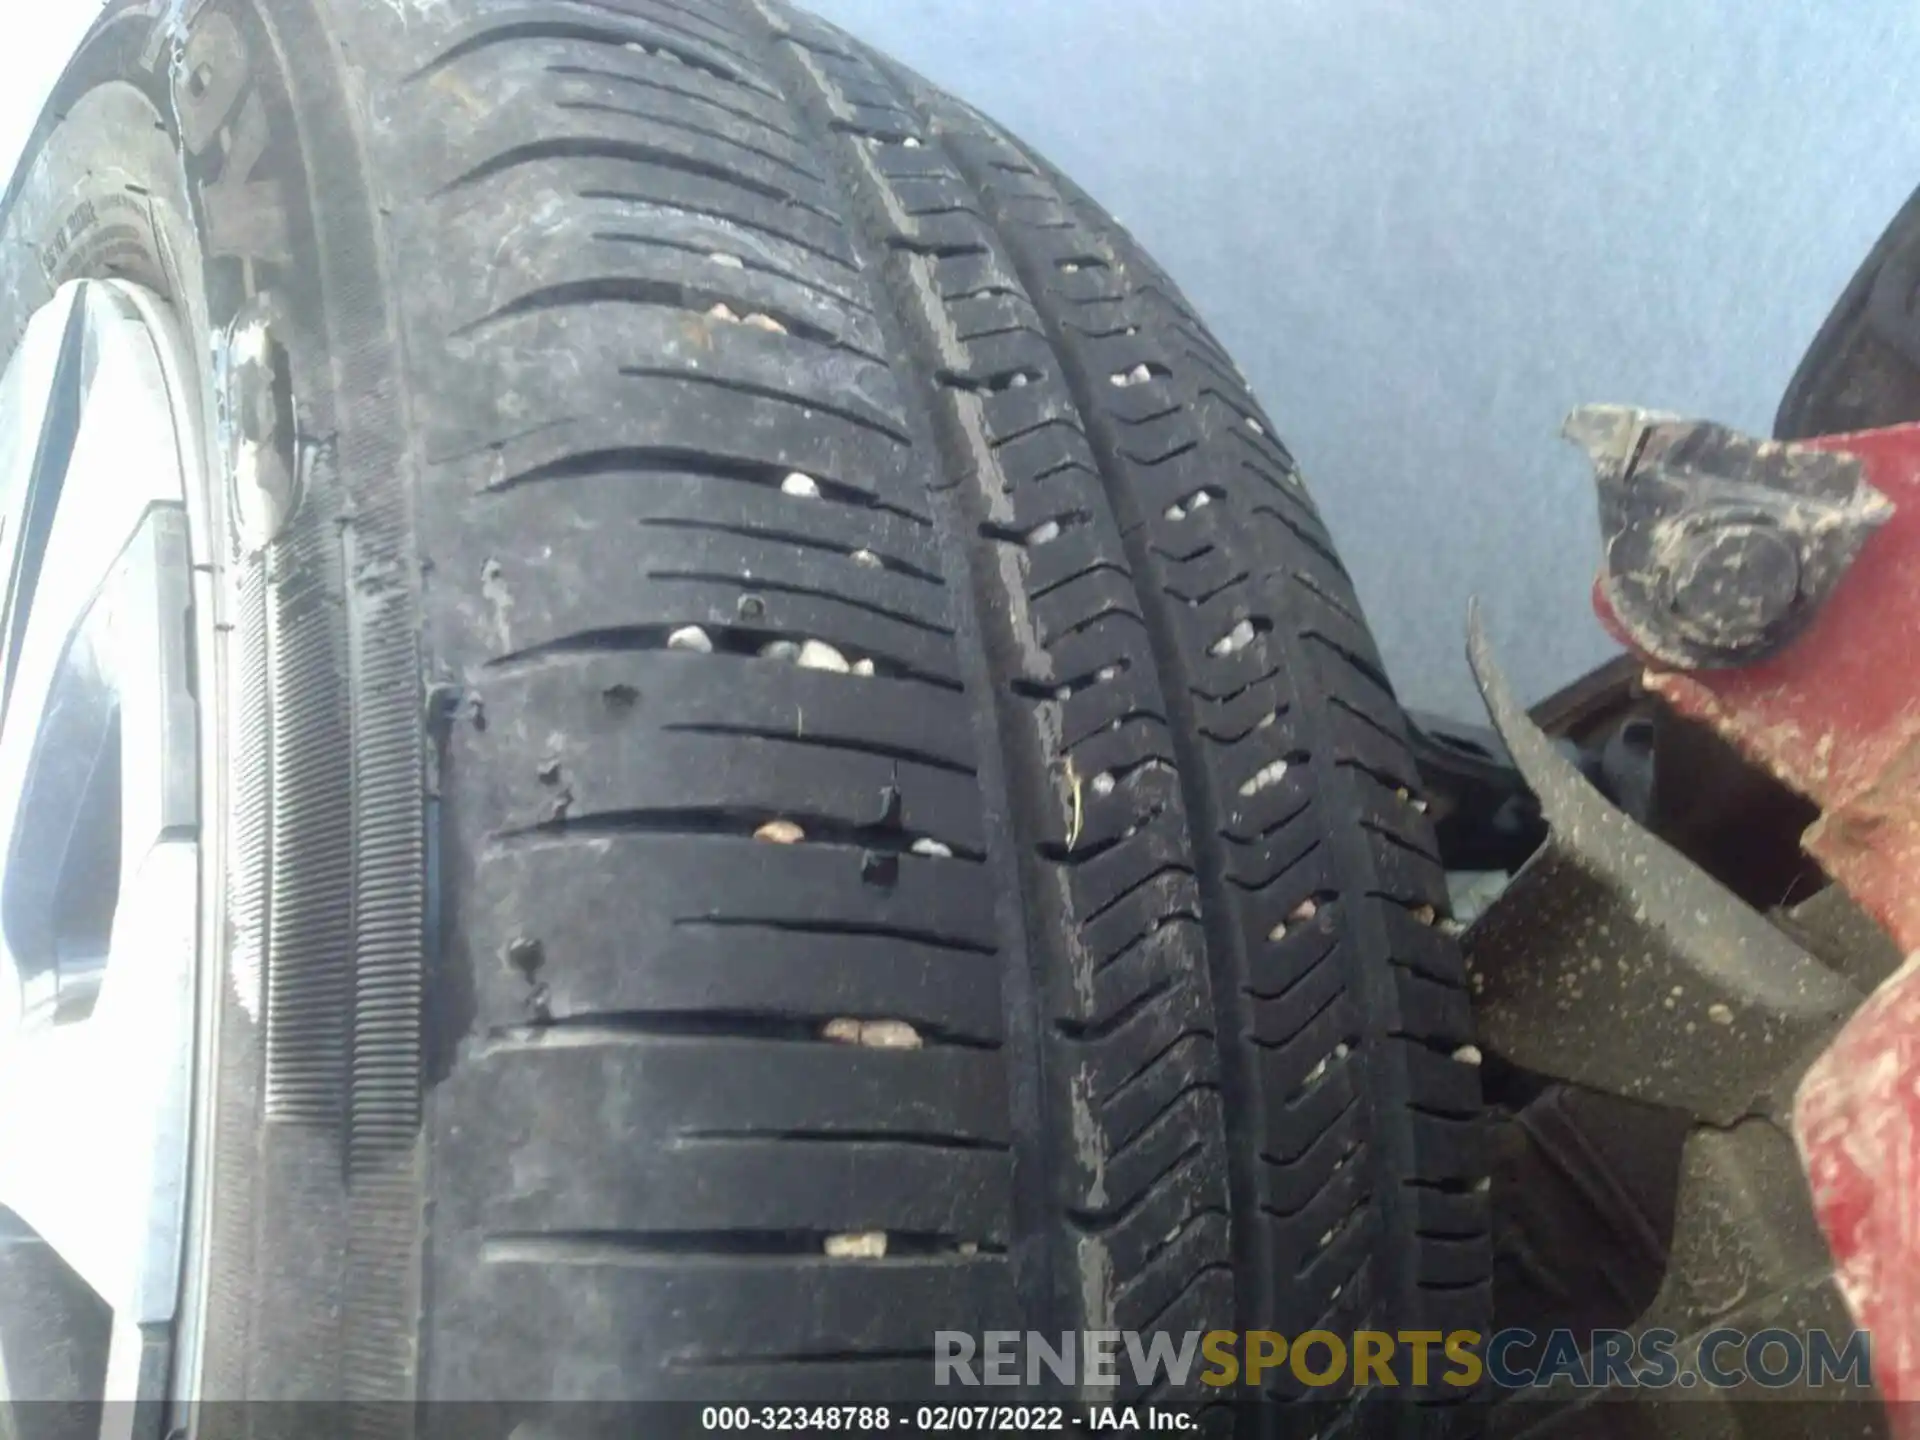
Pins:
x: 1836, y: 715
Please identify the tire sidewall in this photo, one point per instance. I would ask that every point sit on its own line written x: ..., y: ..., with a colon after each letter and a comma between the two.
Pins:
x: 192, y: 158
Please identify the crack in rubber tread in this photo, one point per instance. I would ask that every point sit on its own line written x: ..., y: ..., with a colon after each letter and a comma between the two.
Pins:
x: 1092, y: 1135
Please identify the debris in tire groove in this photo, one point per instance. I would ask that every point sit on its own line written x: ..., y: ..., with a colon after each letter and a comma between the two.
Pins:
x: 863, y: 1245
x: 818, y: 655
x: 1264, y: 777
x: 874, y: 1034
x: 1236, y: 639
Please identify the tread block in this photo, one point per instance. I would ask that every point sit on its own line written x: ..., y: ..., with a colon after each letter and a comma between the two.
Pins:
x: 691, y: 924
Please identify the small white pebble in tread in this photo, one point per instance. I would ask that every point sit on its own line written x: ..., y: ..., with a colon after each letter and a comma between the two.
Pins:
x: 866, y: 558
x: 1719, y: 1014
x: 1265, y: 776
x: 1255, y: 426
x: 1176, y: 511
x: 780, y: 832
x: 1138, y: 375
x: 889, y: 1035
x: 1305, y: 910
x: 863, y: 1245
x: 805, y: 486
x: 818, y: 655
x: 874, y: 1034
x: 934, y: 848
x: 764, y: 322
x: 1468, y: 1055
x: 862, y: 667
x: 1278, y: 932
x: 723, y: 311
x: 1235, y: 639
x: 910, y: 143
x: 780, y: 650
x: 1103, y: 783
x: 732, y: 262
x: 1425, y: 914
x: 1042, y: 533
x: 690, y: 637
x: 1106, y: 673
x: 843, y: 1031
x: 1201, y: 499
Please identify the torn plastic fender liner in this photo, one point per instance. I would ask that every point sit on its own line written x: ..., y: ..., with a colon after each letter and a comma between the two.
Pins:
x: 1704, y: 1001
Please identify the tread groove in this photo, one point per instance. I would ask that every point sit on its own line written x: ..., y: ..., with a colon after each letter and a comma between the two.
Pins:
x: 639, y: 1027
x: 571, y: 147
x: 904, y: 1139
x: 703, y: 212
x: 826, y: 830
x: 701, y: 465
x: 658, y: 637
x: 597, y: 107
x: 780, y: 587
x: 768, y: 393
x: 747, y: 262
x: 842, y: 927
x: 663, y: 294
x: 824, y: 742
x: 889, y: 562
x: 558, y: 29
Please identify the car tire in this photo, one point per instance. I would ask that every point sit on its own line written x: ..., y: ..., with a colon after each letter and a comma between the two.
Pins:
x: 802, y: 769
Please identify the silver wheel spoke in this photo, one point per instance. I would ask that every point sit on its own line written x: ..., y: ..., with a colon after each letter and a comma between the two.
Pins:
x: 99, y: 895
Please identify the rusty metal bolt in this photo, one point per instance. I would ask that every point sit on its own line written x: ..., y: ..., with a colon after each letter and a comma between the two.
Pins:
x: 1720, y: 548
x: 1730, y: 585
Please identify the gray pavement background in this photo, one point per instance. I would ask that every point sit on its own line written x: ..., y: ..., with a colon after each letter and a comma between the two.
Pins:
x: 1428, y: 228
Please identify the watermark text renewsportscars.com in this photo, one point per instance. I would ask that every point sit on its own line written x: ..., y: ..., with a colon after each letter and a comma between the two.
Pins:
x: 1508, y: 1359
